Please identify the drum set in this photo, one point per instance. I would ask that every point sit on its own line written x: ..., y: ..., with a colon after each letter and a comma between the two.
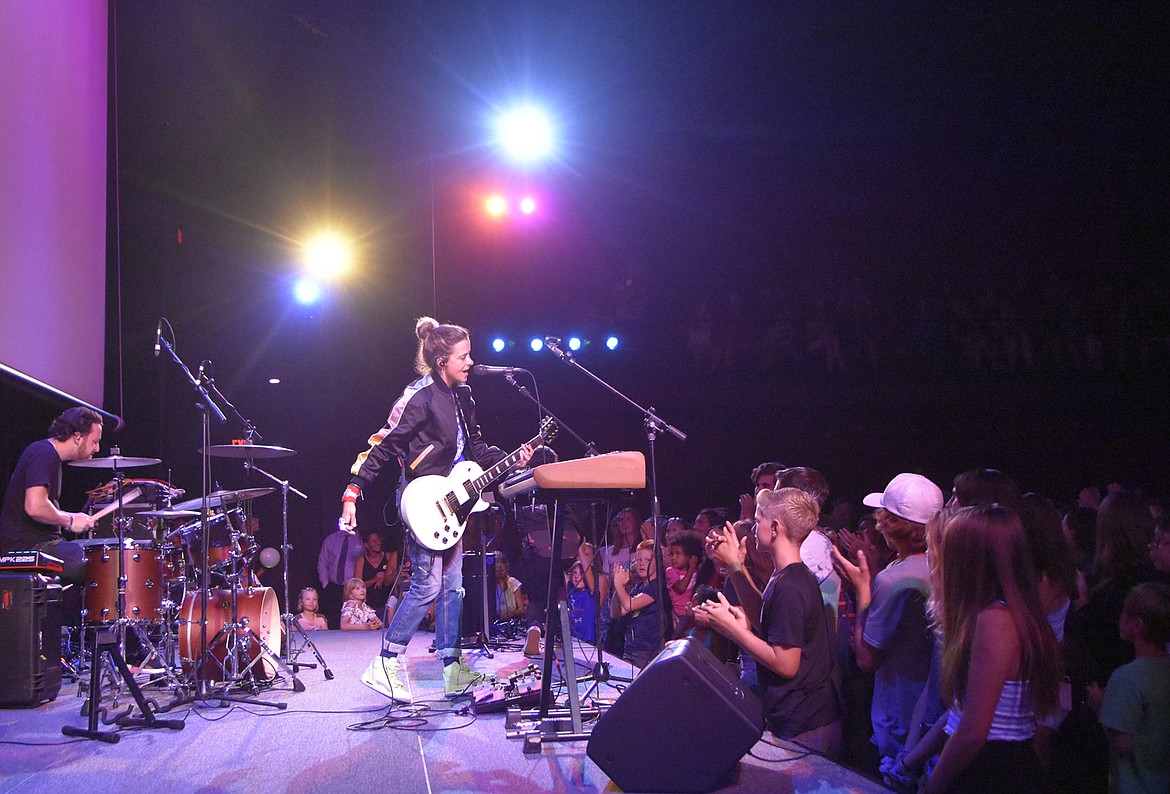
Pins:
x: 178, y: 580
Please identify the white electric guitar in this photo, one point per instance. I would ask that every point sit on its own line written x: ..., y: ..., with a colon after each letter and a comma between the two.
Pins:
x: 436, y: 508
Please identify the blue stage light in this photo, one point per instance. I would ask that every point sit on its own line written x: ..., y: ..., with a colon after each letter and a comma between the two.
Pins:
x: 537, y: 344
x: 498, y: 345
x: 574, y: 343
x: 611, y: 343
x: 307, y: 291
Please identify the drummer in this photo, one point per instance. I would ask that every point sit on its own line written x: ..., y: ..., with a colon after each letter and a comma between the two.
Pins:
x: 31, y: 517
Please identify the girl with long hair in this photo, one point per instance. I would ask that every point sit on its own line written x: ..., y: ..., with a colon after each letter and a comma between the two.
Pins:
x: 1000, y: 658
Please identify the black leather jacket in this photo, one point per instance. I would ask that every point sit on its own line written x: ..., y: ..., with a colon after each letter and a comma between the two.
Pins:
x: 421, y: 433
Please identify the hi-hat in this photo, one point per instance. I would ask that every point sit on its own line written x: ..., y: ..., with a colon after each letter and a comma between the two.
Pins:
x: 169, y: 513
x: 221, y: 498
x: 248, y: 451
x: 114, y: 462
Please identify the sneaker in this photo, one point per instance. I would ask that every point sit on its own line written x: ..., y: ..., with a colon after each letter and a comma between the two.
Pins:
x: 459, y: 679
x: 382, y: 676
x: 532, y: 643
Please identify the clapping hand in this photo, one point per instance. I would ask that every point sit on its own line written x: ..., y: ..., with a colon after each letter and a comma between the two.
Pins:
x: 725, y: 547
x: 621, y: 575
x: 721, y: 616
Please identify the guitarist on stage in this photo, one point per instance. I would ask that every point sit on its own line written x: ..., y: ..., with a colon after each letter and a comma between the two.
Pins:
x: 431, y: 427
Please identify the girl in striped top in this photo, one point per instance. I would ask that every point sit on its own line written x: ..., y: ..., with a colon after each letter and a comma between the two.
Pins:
x: 1000, y: 659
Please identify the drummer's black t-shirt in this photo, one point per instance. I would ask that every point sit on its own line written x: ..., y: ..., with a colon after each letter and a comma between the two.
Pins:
x: 38, y: 465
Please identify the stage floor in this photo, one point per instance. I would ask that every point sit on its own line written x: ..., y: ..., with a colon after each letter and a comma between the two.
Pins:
x: 340, y: 736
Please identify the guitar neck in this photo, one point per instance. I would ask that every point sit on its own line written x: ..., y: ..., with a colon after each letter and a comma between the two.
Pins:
x: 501, y: 468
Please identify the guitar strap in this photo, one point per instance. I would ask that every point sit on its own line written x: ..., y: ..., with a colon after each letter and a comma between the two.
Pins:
x: 461, y: 431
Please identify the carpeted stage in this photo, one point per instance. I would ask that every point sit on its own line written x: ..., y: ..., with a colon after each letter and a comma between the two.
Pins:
x: 314, y: 745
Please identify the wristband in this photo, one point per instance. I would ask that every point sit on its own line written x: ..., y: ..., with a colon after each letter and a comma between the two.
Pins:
x: 71, y: 521
x: 352, y: 492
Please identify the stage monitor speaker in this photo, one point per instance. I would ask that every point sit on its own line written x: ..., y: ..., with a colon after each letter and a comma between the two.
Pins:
x: 681, y: 726
x: 30, y: 648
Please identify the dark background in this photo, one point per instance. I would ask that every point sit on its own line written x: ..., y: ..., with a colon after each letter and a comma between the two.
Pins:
x: 909, y: 178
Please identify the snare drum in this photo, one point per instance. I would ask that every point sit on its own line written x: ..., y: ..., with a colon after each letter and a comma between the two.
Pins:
x: 144, y: 583
x: 259, y: 616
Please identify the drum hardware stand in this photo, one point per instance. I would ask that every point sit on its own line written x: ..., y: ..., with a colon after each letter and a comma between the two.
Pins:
x: 105, y: 648
x: 306, y: 643
x: 285, y: 549
x: 203, y: 690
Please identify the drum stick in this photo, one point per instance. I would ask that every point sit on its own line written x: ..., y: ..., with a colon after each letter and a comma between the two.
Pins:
x: 129, y: 496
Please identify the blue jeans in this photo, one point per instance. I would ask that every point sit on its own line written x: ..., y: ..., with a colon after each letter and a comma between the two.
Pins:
x: 434, y: 578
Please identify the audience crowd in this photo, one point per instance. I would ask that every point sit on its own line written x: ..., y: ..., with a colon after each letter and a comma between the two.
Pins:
x: 974, y: 640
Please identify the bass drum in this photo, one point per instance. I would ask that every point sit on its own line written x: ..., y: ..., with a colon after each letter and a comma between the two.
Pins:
x: 259, y: 618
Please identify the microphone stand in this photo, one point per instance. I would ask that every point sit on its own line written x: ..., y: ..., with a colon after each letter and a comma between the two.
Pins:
x: 204, y: 691
x: 590, y: 447
x: 251, y: 433
x: 653, y: 425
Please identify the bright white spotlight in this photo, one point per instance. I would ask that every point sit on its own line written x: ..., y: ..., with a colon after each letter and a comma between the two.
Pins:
x: 524, y: 134
x: 274, y: 381
x: 611, y: 343
x: 537, y: 345
x: 498, y: 345
x: 574, y: 343
x: 528, y: 205
x: 307, y: 291
x: 328, y: 255
x: 495, y: 205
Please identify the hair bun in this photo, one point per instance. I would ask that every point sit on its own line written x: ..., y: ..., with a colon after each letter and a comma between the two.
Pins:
x: 424, y: 325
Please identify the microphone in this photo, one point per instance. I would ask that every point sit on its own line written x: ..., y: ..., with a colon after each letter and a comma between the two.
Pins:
x: 484, y: 369
x: 204, y: 366
x: 158, y: 338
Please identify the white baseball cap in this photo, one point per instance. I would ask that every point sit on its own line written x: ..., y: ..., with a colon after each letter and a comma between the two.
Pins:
x: 910, y: 496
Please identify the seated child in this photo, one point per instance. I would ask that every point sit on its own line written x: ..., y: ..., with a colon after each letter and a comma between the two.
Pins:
x: 308, y: 618
x: 356, y: 614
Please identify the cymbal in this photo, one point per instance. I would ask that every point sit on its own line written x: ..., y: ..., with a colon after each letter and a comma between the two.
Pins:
x: 169, y: 513
x: 114, y: 462
x: 221, y: 498
x: 249, y: 451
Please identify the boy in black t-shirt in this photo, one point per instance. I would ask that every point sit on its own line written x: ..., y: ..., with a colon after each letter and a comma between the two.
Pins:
x: 792, y: 647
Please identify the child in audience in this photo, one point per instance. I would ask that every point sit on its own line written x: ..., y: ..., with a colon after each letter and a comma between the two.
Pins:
x: 582, y: 604
x: 635, y: 597
x: 308, y: 618
x: 356, y: 614
x: 1135, y: 708
x: 682, y: 574
x: 1000, y: 659
x: 792, y: 648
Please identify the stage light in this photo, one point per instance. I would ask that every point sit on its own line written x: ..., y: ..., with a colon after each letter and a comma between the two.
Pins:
x: 525, y: 134
x: 307, y: 291
x: 528, y: 205
x: 274, y: 381
x: 574, y: 343
x: 498, y: 345
x: 495, y: 205
x: 537, y: 345
x: 611, y: 343
x: 328, y: 255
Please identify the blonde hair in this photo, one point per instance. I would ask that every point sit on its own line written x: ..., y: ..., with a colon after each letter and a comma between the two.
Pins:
x: 301, y: 597
x: 984, y: 558
x: 796, y: 511
x: 435, y: 342
x: 350, y: 584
